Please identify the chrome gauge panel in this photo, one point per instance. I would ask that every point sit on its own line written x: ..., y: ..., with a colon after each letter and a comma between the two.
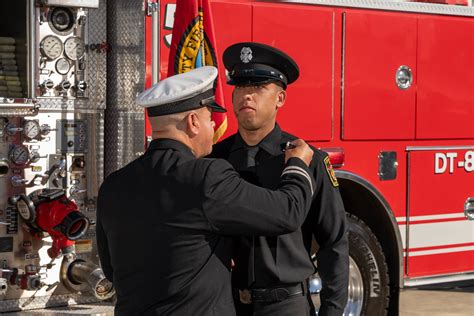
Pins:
x: 51, y: 140
x: 62, y: 52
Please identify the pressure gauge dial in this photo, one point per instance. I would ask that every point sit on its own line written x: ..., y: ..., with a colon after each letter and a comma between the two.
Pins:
x: 62, y: 20
x: 74, y: 48
x: 62, y: 66
x: 19, y: 155
x: 31, y: 129
x: 51, y: 47
x: 26, y: 208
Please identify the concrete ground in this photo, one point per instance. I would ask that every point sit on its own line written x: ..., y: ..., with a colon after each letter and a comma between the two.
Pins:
x: 449, y: 300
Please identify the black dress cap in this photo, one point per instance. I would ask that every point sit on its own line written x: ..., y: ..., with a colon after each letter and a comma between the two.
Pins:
x: 253, y: 63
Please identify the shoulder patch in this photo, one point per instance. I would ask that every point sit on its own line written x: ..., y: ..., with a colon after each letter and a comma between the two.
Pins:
x: 330, y: 170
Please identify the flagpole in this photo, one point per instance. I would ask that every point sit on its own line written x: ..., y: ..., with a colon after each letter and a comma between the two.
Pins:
x: 202, y: 47
x: 154, y: 8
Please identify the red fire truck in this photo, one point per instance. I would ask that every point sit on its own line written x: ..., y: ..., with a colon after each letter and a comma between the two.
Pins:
x: 387, y: 89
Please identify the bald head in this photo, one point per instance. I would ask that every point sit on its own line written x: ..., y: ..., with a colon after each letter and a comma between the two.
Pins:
x: 168, y: 123
x: 193, y: 128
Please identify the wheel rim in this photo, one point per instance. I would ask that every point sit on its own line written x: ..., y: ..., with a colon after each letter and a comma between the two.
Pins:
x: 355, y: 290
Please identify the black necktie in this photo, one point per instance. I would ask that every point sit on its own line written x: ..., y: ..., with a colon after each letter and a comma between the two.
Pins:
x: 251, y: 154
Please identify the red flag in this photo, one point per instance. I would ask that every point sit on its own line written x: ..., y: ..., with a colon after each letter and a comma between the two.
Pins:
x: 193, y: 45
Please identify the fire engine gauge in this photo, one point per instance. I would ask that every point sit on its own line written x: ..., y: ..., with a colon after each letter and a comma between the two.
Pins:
x: 62, y: 20
x: 51, y: 47
x: 19, y: 155
x: 74, y: 48
x: 26, y: 208
x: 62, y: 66
x: 31, y: 129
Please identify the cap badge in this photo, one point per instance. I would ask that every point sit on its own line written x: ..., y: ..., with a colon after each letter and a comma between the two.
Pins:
x: 246, y: 55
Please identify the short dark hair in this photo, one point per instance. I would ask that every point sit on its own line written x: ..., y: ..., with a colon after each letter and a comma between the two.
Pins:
x: 279, y: 83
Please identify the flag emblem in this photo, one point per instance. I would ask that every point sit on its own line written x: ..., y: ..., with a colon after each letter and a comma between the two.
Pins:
x: 194, y: 49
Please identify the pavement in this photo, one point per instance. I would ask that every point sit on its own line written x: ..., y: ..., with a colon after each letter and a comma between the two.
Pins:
x: 439, y: 300
x: 448, y: 300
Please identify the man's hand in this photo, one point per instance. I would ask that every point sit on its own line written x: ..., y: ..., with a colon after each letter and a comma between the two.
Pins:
x: 299, y: 149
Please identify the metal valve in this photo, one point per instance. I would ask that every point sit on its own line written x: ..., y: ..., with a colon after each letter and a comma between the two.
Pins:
x: 30, y: 280
x: 75, y: 191
x: 45, y: 129
x: 47, y: 84
x: 81, y: 85
x: 65, y: 85
x: 35, y: 156
x: 12, y: 129
x: 3, y: 286
x: 80, y: 88
x: 79, y: 275
x: 18, y: 181
x: 4, y: 167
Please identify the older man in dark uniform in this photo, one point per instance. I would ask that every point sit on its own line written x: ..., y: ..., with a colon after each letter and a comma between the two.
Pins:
x: 162, y: 219
x: 272, y: 271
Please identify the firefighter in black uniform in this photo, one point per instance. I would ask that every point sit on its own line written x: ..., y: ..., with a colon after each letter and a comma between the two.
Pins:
x: 162, y: 220
x: 271, y: 271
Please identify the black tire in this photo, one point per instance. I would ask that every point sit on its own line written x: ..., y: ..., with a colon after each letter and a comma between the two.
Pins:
x: 368, y: 257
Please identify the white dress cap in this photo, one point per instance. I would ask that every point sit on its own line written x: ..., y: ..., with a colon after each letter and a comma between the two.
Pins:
x: 181, y: 93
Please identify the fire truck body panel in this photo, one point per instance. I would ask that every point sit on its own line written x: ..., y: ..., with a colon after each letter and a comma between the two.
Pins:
x: 446, y: 53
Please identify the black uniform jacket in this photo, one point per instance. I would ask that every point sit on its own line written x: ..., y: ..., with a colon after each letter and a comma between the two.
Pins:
x: 286, y: 259
x: 162, y: 221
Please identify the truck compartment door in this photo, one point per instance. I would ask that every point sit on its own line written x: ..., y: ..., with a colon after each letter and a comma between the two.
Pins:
x: 376, y: 46
x: 445, y: 100
x: 440, y: 238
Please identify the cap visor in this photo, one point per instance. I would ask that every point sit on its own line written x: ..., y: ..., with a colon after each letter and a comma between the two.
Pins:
x: 247, y: 81
x: 216, y: 107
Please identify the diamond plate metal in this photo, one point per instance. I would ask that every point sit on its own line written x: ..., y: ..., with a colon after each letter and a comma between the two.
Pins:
x: 97, y: 62
x: 404, y: 6
x: 124, y: 139
x: 95, y: 155
x: 80, y: 309
x: 34, y: 303
x: 125, y: 121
